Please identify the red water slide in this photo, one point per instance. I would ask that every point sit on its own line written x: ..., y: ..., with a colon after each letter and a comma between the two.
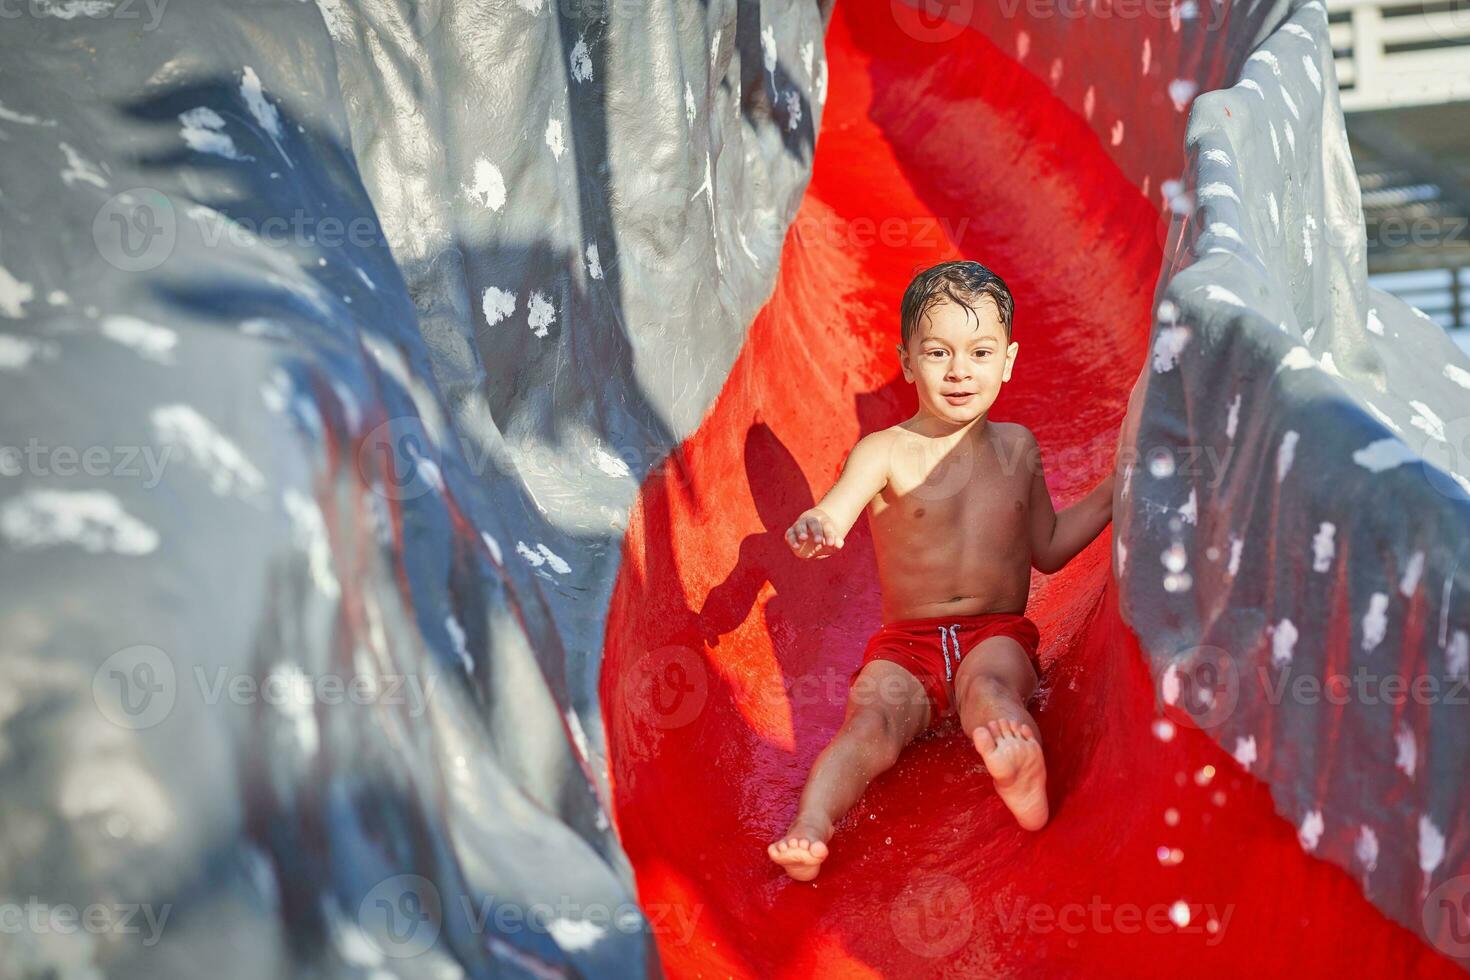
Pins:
x: 727, y: 658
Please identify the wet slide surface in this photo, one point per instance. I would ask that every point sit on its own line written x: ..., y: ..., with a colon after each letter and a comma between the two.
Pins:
x: 726, y: 658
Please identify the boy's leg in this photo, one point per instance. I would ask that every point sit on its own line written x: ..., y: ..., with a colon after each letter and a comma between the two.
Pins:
x: 886, y: 708
x: 994, y: 682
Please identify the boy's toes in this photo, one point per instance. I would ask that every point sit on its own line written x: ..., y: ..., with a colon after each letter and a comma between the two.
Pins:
x: 984, y: 740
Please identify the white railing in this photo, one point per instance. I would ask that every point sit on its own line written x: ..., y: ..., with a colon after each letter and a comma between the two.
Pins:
x: 1375, y: 72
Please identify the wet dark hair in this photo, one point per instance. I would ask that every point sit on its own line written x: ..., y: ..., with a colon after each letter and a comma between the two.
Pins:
x: 965, y: 283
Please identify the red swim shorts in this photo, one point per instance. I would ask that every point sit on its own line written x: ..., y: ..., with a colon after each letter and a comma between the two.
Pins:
x: 931, y: 649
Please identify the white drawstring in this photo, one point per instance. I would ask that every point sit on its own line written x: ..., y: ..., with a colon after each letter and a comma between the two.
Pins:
x: 944, y: 642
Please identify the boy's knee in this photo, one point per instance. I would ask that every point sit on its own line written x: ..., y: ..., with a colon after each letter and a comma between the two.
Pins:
x: 876, y: 731
x: 987, y: 689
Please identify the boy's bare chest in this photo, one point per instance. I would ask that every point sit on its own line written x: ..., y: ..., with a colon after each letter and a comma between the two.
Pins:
x: 966, y: 493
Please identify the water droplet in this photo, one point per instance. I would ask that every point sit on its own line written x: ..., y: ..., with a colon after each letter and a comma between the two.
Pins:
x: 1171, y: 817
x: 1176, y: 559
x: 1163, y: 729
x: 1179, y: 913
x: 1161, y: 463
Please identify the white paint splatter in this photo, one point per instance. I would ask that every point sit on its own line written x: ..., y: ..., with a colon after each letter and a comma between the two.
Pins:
x: 1283, y: 643
x: 1458, y: 375
x: 1310, y: 832
x: 1122, y: 556
x: 793, y: 109
x: 1274, y: 209
x: 14, y: 295
x: 457, y: 642
x: 554, y: 139
x: 1169, y: 684
x: 1384, y: 454
x: 1297, y: 359
x: 608, y: 463
x: 542, y: 555
x: 594, y: 262
x: 1323, y: 547
x: 581, y: 61
x: 768, y: 50
x: 1314, y: 75
x: 92, y: 520
x: 1285, y: 454
x: 574, y: 935
x: 1457, y: 655
x: 540, y: 314
x: 1117, y: 134
x: 72, y: 9
x: 1219, y: 294
x: 1366, y: 848
x: 1375, y: 325
x: 1168, y: 346
x: 1427, y: 420
x: 309, y: 531
x: 17, y: 352
x: 228, y: 468
x: 10, y: 115
x: 498, y: 304
x: 1245, y: 751
x: 494, y: 547
x: 149, y: 340
x: 1216, y: 189
x: 1237, y: 545
x: 488, y: 189
x: 1406, y: 750
x: 260, y: 107
x: 1232, y: 419
x: 1375, y: 620
x: 1189, y: 510
x: 203, y: 131
x: 822, y: 84
x: 1181, y: 91
x: 78, y: 168
x: 1431, y: 845
x: 1413, y: 569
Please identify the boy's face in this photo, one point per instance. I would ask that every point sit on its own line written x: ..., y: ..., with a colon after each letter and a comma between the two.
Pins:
x: 957, y: 364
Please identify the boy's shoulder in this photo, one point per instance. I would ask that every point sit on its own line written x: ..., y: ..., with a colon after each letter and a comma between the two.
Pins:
x: 1016, y: 432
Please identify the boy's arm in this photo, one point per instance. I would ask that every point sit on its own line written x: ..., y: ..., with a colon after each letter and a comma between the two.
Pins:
x: 1058, y: 538
x: 821, y: 531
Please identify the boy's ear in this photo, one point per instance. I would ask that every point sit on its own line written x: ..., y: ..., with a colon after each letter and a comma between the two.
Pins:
x: 1010, y: 360
x: 903, y: 361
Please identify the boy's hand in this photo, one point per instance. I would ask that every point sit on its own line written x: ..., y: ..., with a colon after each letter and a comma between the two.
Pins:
x: 814, y: 535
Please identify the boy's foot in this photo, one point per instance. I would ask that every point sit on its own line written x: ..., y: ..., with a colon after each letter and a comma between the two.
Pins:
x: 1014, y: 759
x: 801, y: 850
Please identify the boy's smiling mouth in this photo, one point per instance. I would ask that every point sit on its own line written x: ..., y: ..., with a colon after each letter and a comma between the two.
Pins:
x: 958, y: 397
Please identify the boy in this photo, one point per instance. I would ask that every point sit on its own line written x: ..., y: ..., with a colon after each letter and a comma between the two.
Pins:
x: 960, y: 513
